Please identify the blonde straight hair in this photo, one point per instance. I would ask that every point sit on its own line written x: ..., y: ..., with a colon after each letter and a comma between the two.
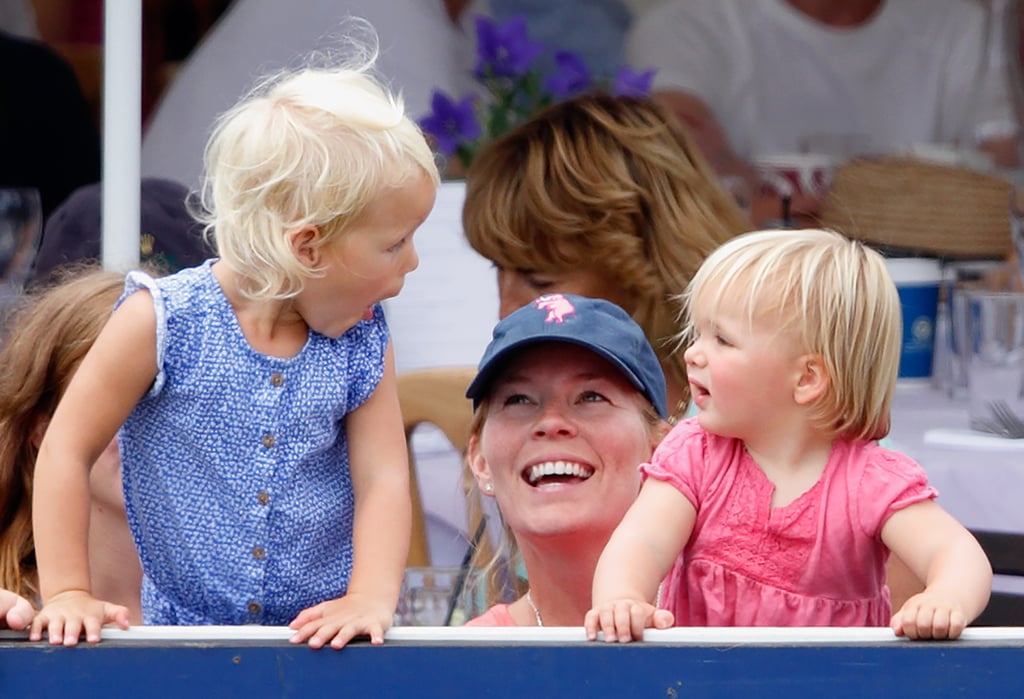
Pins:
x: 838, y: 299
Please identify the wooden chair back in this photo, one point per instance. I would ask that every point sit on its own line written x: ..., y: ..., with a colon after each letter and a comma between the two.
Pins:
x: 436, y: 396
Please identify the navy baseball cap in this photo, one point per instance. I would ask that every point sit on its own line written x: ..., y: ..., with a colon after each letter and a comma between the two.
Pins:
x: 595, y: 324
x: 170, y: 238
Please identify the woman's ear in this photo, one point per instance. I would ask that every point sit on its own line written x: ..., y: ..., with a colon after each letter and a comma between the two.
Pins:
x: 478, y: 466
x: 813, y: 379
x: 658, y: 433
x: 305, y: 245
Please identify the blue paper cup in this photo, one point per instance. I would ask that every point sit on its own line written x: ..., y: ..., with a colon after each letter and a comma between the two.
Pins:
x: 917, y: 281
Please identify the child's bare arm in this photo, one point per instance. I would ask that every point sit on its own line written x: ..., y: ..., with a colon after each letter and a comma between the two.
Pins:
x: 114, y: 375
x: 638, y: 555
x: 957, y: 574
x: 379, y: 463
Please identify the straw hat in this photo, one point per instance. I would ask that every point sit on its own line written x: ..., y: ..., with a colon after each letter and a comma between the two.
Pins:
x: 921, y: 207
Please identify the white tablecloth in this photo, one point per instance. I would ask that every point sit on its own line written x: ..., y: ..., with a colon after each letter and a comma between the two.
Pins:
x: 980, y: 479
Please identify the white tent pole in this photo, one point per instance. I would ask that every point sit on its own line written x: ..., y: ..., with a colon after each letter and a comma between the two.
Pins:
x: 122, y: 132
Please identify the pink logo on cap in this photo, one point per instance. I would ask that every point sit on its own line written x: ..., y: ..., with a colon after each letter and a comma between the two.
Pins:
x: 557, y: 306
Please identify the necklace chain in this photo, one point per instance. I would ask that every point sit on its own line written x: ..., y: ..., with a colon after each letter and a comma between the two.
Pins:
x: 536, y: 612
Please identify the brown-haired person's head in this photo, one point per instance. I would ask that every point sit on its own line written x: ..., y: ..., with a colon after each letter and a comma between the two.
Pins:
x: 600, y: 196
x: 45, y: 339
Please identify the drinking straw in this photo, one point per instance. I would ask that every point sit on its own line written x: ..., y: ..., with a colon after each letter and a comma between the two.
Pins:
x: 460, y: 581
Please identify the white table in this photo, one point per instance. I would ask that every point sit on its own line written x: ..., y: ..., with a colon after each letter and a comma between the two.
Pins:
x: 980, y: 479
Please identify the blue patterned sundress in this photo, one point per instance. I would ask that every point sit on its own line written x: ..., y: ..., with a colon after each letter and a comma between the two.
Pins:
x: 236, y: 474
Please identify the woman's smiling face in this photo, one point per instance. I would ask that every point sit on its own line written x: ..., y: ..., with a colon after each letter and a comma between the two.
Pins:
x: 564, y: 434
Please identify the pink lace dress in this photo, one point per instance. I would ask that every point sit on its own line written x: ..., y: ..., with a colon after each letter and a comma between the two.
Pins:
x: 818, y: 561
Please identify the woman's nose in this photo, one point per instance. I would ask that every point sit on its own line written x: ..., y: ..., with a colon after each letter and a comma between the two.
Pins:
x: 554, y: 420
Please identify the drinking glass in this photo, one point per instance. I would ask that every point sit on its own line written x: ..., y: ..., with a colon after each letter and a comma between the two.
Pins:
x: 995, y: 359
x: 437, y: 596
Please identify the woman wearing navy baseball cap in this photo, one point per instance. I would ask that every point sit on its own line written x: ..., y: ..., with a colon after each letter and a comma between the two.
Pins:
x: 569, y: 399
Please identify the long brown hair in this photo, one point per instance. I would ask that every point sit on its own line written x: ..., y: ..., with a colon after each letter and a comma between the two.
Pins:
x: 609, y: 184
x: 47, y: 336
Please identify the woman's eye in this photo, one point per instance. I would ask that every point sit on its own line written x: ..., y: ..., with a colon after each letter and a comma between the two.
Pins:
x: 399, y: 245
x: 722, y: 340
x: 539, y: 283
x: 592, y: 397
x: 516, y: 399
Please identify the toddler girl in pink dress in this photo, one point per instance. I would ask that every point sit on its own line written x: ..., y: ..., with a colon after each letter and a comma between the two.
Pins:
x: 776, y: 506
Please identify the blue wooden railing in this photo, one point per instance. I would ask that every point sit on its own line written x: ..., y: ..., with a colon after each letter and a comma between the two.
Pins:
x: 518, y: 663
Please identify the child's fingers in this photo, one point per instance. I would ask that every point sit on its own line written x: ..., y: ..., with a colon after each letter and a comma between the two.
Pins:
x: 896, y: 624
x: 91, y: 627
x: 319, y: 633
x: 19, y: 614
x: 663, y: 619
x: 35, y: 631
x: 343, y: 636
x: 590, y: 623
x: 624, y: 621
x: 306, y: 616
x: 939, y: 627
x: 640, y: 618
x: 374, y: 630
x: 957, y: 624
x: 303, y: 632
x: 55, y: 630
x: 115, y: 613
x: 607, y: 623
x: 72, y: 630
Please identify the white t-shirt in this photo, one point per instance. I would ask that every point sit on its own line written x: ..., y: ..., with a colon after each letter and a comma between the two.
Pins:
x: 915, y: 73
x: 420, y: 50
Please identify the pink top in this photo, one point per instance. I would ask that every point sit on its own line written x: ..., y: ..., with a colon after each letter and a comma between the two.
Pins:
x: 818, y: 561
x: 495, y: 616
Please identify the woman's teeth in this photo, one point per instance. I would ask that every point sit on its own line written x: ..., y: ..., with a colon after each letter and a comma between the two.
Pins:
x: 557, y: 468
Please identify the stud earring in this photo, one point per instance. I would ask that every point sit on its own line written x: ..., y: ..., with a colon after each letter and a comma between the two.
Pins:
x: 488, y: 487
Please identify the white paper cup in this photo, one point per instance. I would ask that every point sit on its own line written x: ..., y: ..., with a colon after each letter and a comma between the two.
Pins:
x: 917, y: 281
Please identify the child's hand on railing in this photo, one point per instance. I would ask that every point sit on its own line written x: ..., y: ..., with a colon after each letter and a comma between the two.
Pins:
x: 69, y: 614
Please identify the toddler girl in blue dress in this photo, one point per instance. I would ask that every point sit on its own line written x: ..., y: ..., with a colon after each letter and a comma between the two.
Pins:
x: 265, y: 468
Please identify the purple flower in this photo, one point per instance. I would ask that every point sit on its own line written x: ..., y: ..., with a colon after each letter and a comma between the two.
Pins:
x: 571, y: 76
x: 629, y: 83
x: 504, y: 50
x: 451, y: 123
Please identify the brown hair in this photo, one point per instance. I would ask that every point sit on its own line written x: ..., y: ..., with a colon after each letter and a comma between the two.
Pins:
x: 609, y: 184
x: 47, y: 336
